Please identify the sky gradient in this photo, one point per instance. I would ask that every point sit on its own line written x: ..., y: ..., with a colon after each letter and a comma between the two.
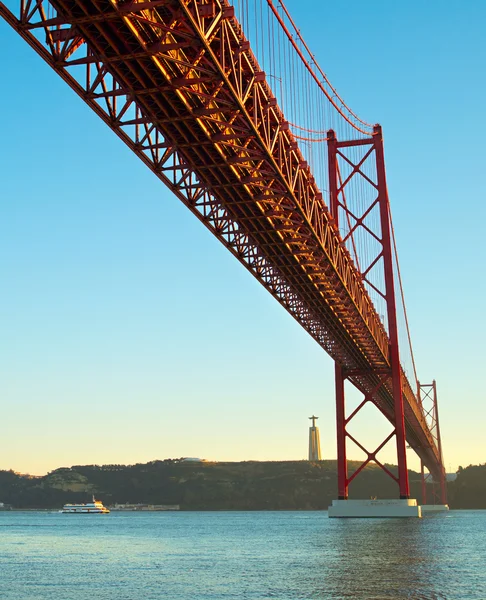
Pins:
x: 130, y: 334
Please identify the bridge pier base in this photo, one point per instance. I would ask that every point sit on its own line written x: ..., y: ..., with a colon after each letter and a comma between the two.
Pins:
x: 393, y: 508
x: 434, y: 508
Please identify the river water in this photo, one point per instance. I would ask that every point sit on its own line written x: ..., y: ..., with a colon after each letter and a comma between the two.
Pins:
x: 241, y: 555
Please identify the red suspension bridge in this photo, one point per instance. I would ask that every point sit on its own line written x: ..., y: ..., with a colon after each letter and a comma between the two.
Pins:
x: 225, y: 103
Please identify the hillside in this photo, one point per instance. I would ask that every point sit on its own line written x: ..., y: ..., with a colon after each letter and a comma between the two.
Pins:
x: 289, y: 485
x: 252, y: 485
x: 469, y: 489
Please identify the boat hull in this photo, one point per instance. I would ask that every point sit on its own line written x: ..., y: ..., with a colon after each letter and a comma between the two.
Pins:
x: 85, y: 512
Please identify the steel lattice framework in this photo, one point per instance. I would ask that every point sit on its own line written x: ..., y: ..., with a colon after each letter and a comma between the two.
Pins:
x: 178, y: 82
x: 427, y: 393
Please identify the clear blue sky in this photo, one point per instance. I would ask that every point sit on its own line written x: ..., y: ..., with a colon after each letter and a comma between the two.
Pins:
x: 129, y: 334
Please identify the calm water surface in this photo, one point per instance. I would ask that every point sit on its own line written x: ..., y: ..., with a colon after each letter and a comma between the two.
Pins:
x: 240, y: 555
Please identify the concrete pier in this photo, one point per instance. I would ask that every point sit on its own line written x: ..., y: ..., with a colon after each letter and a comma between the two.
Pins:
x: 434, y: 508
x: 374, y: 509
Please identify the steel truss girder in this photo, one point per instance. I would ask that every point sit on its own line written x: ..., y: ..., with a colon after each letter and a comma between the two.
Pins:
x: 130, y: 62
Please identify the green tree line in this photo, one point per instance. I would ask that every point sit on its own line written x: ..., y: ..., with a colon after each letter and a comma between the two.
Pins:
x: 286, y: 485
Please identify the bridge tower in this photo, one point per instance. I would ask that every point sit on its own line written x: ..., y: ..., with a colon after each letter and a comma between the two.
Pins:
x: 364, y: 160
x: 435, y: 483
x: 314, y: 441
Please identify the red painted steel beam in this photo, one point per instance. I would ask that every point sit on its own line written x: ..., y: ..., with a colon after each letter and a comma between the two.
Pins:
x: 342, y: 467
x: 396, y: 370
x: 264, y: 271
x: 340, y: 262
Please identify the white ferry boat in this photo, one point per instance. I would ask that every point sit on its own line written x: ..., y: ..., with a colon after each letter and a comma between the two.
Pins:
x: 95, y: 507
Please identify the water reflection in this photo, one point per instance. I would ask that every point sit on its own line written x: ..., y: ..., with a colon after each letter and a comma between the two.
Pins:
x: 428, y: 559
